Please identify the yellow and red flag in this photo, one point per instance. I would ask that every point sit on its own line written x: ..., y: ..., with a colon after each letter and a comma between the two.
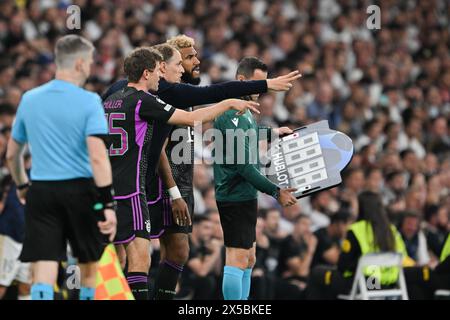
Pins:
x: 111, y: 283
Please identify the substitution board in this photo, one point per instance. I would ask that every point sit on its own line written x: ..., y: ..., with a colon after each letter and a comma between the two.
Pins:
x: 310, y: 159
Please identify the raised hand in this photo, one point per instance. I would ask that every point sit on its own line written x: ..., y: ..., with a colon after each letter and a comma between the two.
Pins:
x: 283, y: 83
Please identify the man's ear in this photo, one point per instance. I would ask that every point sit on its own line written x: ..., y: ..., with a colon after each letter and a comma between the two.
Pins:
x: 78, y: 64
x: 163, y: 66
x: 240, y: 77
x: 145, y: 74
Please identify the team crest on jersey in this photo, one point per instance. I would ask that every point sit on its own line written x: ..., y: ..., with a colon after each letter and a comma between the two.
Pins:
x: 235, y: 121
x: 147, y: 225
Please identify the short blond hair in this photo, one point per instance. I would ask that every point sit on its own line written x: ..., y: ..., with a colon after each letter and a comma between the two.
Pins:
x: 181, y: 41
x: 69, y: 48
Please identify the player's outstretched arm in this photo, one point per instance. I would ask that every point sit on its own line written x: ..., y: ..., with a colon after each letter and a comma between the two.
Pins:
x: 183, y: 95
x: 184, y: 118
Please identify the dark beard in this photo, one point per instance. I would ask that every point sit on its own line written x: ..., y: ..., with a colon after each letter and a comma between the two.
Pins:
x: 188, y: 78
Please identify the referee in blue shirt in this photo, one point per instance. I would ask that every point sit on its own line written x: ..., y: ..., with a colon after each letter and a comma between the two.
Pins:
x: 70, y: 196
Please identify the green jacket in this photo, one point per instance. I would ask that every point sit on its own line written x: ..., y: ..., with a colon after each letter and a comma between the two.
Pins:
x: 237, y: 175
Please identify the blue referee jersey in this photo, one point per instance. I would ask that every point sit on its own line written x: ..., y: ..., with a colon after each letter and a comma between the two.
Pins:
x: 55, y: 119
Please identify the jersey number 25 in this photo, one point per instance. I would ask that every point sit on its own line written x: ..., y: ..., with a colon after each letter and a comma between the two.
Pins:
x: 114, y: 129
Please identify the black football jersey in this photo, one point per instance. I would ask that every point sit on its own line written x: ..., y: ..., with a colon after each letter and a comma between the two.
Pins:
x: 135, y: 144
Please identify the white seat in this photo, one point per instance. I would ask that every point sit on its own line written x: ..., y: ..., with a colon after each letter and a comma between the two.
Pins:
x: 360, y: 290
x: 442, y: 294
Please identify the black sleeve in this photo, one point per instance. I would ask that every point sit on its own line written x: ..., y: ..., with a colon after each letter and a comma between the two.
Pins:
x: 153, y: 108
x: 184, y: 96
x: 114, y: 88
x: 350, y: 254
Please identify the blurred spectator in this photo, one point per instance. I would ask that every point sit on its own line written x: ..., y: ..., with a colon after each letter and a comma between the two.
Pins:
x: 374, y: 180
x: 329, y: 239
x: 437, y: 226
x: 294, y: 261
x: 204, y: 253
x: 320, y: 210
x: 261, y: 279
x: 272, y: 224
x: 414, y: 238
x: 395, y: 186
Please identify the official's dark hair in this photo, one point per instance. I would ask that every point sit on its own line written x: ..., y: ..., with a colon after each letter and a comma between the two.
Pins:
x: 371, y: 209
x: 139, y: 60
x: 248, y: 65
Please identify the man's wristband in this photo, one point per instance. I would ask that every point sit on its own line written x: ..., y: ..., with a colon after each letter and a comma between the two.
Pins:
x: 23, y: 186
x: 174, y: 193
x: 105, y: 195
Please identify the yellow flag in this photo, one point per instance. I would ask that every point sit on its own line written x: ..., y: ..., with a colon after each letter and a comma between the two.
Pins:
x: 111, y: 283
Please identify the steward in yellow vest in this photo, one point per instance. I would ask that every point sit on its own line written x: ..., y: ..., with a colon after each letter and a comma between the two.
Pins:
x: 446, y: 250
x: 364, y: 236
x: 372, y: 233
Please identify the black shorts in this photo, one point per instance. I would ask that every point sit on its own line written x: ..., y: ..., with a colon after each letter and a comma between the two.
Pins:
x: 61, y: 211
x: 132, y: 219
x: 162, y: 219
x: 238, y: 220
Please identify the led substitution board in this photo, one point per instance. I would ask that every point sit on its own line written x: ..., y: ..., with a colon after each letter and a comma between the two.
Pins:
x: 310, y: 159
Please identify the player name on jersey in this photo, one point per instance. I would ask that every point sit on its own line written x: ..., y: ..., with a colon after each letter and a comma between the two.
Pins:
x: 310, y: 159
